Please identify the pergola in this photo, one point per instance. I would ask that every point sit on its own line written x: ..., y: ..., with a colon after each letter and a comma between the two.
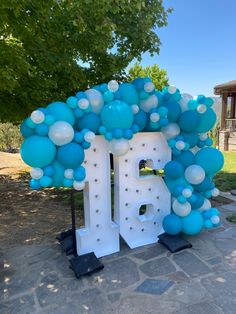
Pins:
x: 227, y: 90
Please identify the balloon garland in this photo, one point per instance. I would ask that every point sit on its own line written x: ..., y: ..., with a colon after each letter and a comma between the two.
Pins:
x: 56, y: 137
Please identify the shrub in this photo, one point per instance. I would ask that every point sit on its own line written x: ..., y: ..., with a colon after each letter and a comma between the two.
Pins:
x: 10, y: 137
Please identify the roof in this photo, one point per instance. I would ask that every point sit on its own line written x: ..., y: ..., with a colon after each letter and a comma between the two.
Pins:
x: 229, y: 87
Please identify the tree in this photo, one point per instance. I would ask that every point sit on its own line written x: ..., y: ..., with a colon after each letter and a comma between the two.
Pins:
x: 50, y: 49
x: 157, y: 75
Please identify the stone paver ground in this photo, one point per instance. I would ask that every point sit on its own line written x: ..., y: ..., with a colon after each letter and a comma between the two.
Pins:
x: 35, y: 277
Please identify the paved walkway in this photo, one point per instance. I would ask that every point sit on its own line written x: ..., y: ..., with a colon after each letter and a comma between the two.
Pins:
x: 36, y: 278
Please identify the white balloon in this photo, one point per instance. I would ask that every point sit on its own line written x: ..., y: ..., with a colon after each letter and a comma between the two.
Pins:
x: 181, y: 209
x: 215, y: 220
x: 149, y: 87
x: 61, y: 133
x: 172, y: 89
x: 203, y: 136
x: 37, y: 116
x: 194, y: 174
x: 215, y: 192
x: 89, y: 136
x: 36, y: 173
x: 119, y: 147
x: 154, y: 117
x: 69, y: 173
x: 184, y: 101
x: 83, y: 103
x: 78, y: 185
x: 201, y: 108
x: 171, y: 130
x: 96, y: 100
x: 113, y: 86
x: 206, y: 205
x: 135, y: 109
x: 180, y: 145
x: 149, y: 103
x: 187, y: 193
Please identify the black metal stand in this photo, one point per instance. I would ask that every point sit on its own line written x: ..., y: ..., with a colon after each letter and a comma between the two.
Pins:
x: 83, y: 264
x: 174, y: 243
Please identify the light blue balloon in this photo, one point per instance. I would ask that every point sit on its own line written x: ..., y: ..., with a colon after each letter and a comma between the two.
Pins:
x: 193, y: 223
x: 72, y: 102
x: 207, y: 121
x: 38, y: 151
x: 45, y: 181
x: 61, y: 112
x: 58, y: 176
x: 117, y: 114
x: 210, y: 159
x: 172, y: 224
x: 68, y: 183
x: 70, y: 155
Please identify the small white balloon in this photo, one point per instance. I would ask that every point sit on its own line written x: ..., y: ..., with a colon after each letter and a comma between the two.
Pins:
x: 215, y: 192
x: 119, y: 147
x: 215, y: 220
x: 36, y: 173
x: 171, y: 130
x: 187, y: 193
x: 185, y: 98
x: 135, y: 109
x: 149, y: 103
x: 194, y: 174
x: 69, y: 173
x: 96, y: 100
x: 83, y: 103
x: 172, y: 89
x: 206, y: 205
x: 149, y: 87
x: 37, y: 116
x: 180, y: 145
x: 203, y: 136
x: 154, y: 117
x: 113, y: 86
x: 201, y: 108
x: 78, y: 185
x: 181, y: 209
x: 89, y: 136
x: 61, y: 133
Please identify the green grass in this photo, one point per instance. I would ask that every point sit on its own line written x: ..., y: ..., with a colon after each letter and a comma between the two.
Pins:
x: 232, y: 218
x: 225, y: 180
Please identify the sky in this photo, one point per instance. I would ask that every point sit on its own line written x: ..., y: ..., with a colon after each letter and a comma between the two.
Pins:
x: 198, y: 45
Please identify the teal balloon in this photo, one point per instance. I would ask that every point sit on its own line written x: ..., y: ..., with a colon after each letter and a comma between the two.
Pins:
x: 61, y: 112
x: 189, y: 121
x: 70, y: 155
x: 117, y: 114
x: 58, y: 176
x: 210, y: 159
x: 196, y: 200
x: 25, y: 130
x: 38, y: 151
x: 128, y: 94
x: 193, y: 223
x: 89, y: 121
x: 42, y: 129
x: 45, y: 181
x: 173, y: 170
x: 207, y: 121
x: 141, y: 119
x: 174, y: 111
x: 185, y: 158
x: 191, y: 138
x: 172, y: 224
x: 68, y: 183
x: 34, y: 184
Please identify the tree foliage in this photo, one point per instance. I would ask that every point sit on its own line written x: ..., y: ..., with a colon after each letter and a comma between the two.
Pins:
x: 158, y: 76
x: 50, y: 49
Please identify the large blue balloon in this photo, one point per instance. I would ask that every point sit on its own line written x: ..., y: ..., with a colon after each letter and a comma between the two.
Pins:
x: 174, y: 111
x: 140, y: 119
x: 174, y: 170
x: 117, y: 114
x: 128, y: 93
x: 61, y: 112
x: 89, y: 121
x: 70, y: 155
x: 185, y: 158
x: 189, y: 121
x: 210, y: 159
x: 193, y: 223
x: 208, y: 119
x: 172, y: 224
x: 38, y: 151
x: 25, y: 130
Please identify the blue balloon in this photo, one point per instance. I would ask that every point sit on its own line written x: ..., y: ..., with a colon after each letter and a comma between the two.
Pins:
x: 72, y: 102
x: 79, y: 174
x: 189, y: 121
x: 205, y: 185
x: 61, y: 112
x: 141, y: 119
x: 210, y: 159
x: 207, y: 224
x: 108, y: 96
x: 34, y: 184
x: 172, y: 184
x: 128, y: 93
x: 42, y: 129
x: 174, y: 111
x: 58, y: 176
x: 139, y: 83
x: 45, y: 181
x: 25, y: 130
x: 191, y: 138
x: 38, y: 151
x: 68, y: 183
x: 196, y: 200
x: 70, y: 155
x: 117, y: 133
x: 48, y: 171
x: 193, y: 223
x: 172, y: 224
x: 185, y: 158
x: 207, y: 121
x: 89, y: 121
x: 117, y: 114
x: 173, y: 170
x: 128, y: 134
